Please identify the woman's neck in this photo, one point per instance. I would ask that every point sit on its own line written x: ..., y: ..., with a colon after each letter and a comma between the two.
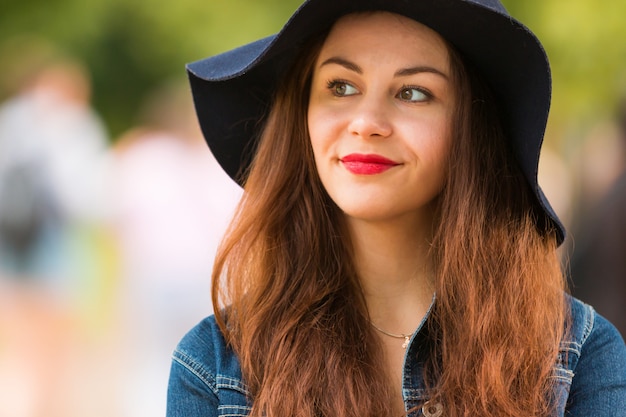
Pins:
x: 395, y: 270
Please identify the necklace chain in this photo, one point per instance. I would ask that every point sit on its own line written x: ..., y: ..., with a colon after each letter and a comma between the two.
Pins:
x: 406, y: 337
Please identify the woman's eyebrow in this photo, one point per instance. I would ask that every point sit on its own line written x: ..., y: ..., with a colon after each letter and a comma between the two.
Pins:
x: 349, y: 65
x: 344, y: 63
x: 419, y: 69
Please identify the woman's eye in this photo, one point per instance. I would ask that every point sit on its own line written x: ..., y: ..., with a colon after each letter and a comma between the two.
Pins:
x: 413, y: 94
x: 342, y: 88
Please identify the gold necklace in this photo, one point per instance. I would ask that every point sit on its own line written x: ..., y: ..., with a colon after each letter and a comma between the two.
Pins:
x: 406, y: 337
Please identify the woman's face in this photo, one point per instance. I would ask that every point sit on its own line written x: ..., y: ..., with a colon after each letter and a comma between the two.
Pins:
x: 380, y: 114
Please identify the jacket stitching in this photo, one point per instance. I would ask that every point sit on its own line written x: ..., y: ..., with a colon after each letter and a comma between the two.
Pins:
x: 589, y: 323
x: 223, y: 381
x: 196, y: 369
x: 233, y: 410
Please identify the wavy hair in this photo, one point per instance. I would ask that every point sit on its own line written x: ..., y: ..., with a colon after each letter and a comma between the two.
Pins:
x: 287, y: 294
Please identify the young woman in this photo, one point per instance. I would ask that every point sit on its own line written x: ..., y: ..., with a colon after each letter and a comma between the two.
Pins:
x: 392, y: 254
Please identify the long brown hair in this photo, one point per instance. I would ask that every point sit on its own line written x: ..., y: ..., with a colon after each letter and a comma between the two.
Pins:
x: 287, y: 295
x: 500, y: 313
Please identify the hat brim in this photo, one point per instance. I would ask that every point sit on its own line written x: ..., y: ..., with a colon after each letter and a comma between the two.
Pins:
x: 232, y: 91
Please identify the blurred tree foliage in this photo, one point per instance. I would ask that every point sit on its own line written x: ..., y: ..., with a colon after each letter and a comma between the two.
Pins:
x: 133, y: 46
x: 129, y: 46
x: 586, y: 43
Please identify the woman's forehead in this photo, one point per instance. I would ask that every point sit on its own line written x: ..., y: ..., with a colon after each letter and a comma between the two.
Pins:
x: 385, y: 35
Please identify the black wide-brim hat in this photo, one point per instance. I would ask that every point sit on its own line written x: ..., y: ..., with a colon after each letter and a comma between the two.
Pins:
x: 233, y: 91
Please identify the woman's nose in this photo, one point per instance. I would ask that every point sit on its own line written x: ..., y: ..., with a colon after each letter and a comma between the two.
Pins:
x: 371, y: 119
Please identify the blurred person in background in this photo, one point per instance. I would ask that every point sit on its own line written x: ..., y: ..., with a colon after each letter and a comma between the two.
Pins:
x: 172, y: 204
x: 598, y: 261
x: 52, y: 148
x: 54, y: 260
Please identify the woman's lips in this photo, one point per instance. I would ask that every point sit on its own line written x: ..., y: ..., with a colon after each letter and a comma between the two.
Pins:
x: 369, y: 164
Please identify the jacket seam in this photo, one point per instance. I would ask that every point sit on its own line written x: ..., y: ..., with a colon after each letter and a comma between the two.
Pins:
x: 228, y: 382
x: 196, y: 369
x: 589, y: 324
x: 233, y: 410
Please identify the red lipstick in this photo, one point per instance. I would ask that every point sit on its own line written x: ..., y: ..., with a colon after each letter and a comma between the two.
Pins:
x: 370, y: 164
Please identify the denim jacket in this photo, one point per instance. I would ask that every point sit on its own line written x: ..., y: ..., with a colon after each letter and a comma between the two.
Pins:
x: 205, y: 378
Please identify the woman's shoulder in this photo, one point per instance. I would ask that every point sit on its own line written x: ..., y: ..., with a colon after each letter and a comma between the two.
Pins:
x: 586, y: 326
x: 204, y: 337
x: 203, y: 351
x: 205, y: 377
x: 594, y: 354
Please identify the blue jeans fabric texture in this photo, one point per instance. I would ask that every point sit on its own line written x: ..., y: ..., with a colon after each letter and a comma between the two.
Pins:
x: 205, y: 378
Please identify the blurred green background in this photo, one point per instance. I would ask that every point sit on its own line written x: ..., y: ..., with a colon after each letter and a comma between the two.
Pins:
x: 130, y: 47
x: 93, y: 337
